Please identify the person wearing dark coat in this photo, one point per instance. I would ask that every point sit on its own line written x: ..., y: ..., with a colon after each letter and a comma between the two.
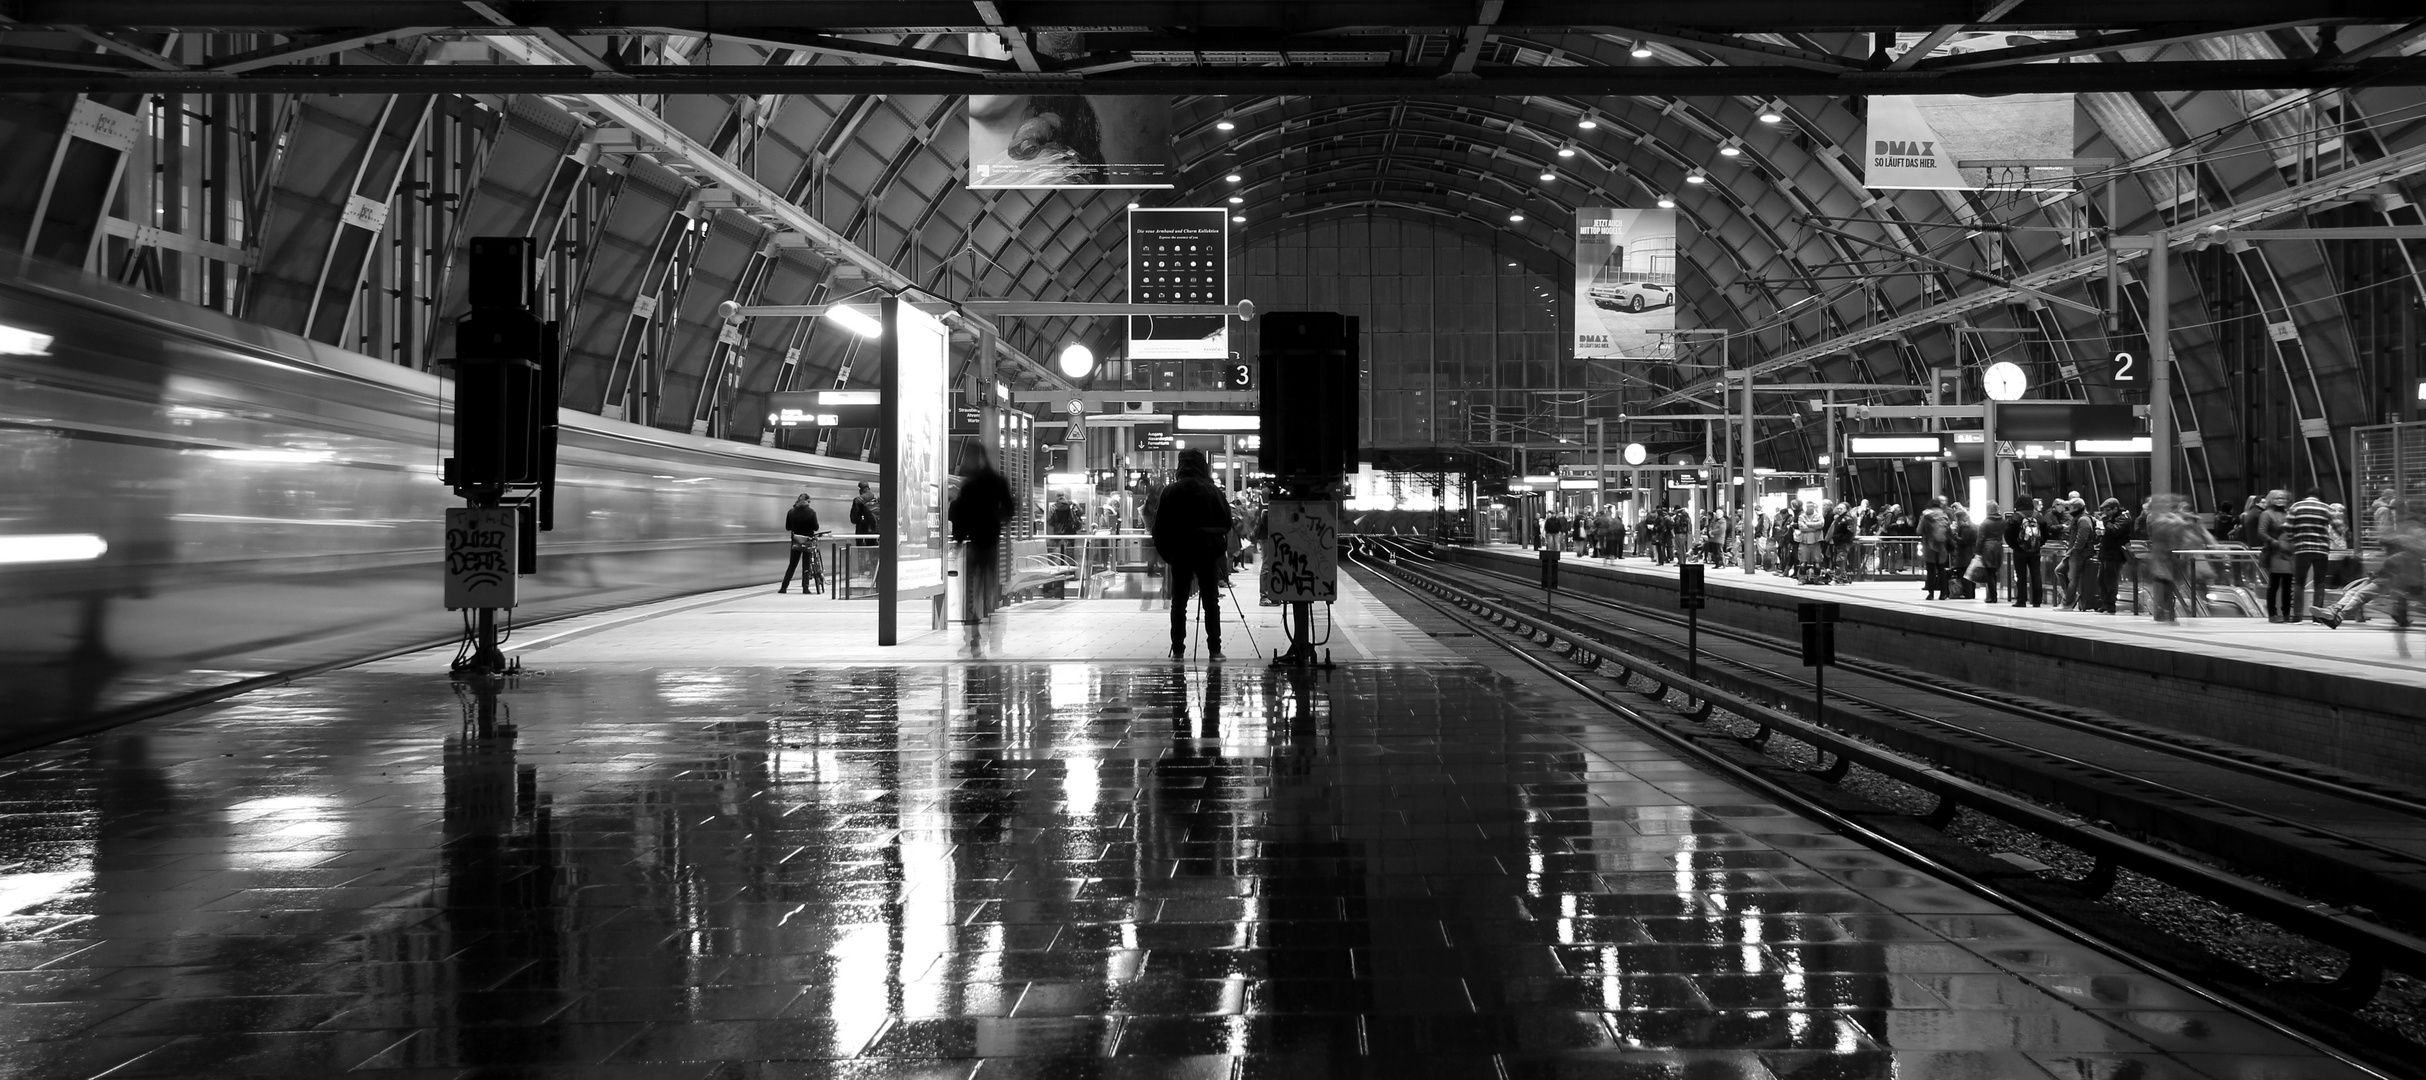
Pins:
x: 2113, y: 550
x: 1189, y: 529
x: 977, y: 514
x: 801, y: 522
x: 2025, y: 533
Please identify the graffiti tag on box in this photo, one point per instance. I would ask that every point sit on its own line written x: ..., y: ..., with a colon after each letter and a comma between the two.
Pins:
x: 1301, y: 553
x: 480, y: 550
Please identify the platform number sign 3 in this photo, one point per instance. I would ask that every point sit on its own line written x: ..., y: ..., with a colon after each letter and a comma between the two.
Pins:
x: 1237, y: 376
x: 2126, y: 369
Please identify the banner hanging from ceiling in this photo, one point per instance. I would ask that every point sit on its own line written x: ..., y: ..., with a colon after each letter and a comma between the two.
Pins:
x: 1955, y: 142
x: 1179, y: 255
x: 1625, y: 282
x: 1064, y: 140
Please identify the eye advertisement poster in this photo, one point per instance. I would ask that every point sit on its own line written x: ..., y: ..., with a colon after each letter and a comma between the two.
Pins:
x: 1065, y: 140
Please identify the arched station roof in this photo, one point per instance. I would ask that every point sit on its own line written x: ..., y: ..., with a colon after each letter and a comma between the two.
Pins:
x: 323, y: 178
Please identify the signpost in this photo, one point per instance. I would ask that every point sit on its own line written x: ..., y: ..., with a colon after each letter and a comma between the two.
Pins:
x: 1819, y: 649
x: 1690, y: 596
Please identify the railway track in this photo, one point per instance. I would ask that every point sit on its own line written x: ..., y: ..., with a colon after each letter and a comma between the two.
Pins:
x: 2128, y: 794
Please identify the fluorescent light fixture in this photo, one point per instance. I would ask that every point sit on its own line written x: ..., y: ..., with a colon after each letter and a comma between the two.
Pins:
x: 1543, y: 480
x: 1225, y: 126
x: 1896, y: 445
x: 1066, y: 479
x: 15, y: 341
x: 1075, y: 361
x: 274, y: 457
x: 1579, y: 485
x: 850, y: 397
x: 2137, y: 445
x: 855, y: 320
x: 1218, y: 422
x: 51, y: 547
x: 1666, y: 203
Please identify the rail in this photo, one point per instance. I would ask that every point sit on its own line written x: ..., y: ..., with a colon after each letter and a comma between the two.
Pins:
x: 2373, y: 948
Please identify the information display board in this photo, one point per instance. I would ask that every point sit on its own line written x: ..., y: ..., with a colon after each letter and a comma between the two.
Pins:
x: 1179, y: 255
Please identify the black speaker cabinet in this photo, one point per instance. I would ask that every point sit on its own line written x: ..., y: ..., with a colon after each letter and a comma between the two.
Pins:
x: 1310, y: 393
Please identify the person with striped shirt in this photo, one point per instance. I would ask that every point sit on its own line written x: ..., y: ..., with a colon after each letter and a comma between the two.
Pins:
x: 2310, y: 528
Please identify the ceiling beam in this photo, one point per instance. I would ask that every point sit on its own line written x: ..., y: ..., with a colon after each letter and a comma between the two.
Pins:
x: 1485, y: 14
x: 965, y: 16
x: 1651, y: 80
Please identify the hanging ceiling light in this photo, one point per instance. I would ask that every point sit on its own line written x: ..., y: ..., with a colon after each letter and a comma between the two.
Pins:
x: 1233, y: 178
x: 1771, y: 115
x: 1239, y: 218
x: 1548, y: 176
x: 1696, y: 177
x: 1237, y: 199
x: 1666, y: 203
x: 1225, y: 126
x: 1730, y: 150
x: 1516, y: 215
x: 1567, y: 150
x: 1587, y: 123
x: 855, y: 321
x: 1641, y: 50
x: 1076, y: 361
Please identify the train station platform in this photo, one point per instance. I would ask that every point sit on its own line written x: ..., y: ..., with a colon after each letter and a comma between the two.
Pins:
x: 716, y: 838
x: 2342, y: 697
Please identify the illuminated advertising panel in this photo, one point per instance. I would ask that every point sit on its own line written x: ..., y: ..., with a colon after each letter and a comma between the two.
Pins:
x: 920, y: 442
x: 1064, y: 140
x: 1179, y: 255
x: 1625, y: 281
x: 1955, y: 142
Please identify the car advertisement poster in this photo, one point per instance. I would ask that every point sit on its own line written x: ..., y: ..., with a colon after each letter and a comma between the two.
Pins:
x: 1625, y: 282
x: 1064, y: 140
x: 1955, y: 142
x: 1179, y: 255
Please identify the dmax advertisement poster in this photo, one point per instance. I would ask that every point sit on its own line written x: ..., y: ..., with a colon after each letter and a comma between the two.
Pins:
x: 1625, y: 281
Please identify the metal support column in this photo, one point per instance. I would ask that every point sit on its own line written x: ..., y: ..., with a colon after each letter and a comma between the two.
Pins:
x: 2160, y: 365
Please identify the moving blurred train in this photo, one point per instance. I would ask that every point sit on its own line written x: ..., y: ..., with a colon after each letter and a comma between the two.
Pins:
x: 195, y: 502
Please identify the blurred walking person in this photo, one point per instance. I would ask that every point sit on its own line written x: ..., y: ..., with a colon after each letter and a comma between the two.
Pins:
x: 977, y: 514
x: 1189, y: 531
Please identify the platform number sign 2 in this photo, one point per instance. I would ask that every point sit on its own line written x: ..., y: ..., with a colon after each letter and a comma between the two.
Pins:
x: 2126, y: 369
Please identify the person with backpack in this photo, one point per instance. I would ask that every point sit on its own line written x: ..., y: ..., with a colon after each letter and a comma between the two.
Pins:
x: 1966, y: 548
x: 1991, y: 553
x: 863, y: 514
x: 2115, y: 526
x: 1554, y: 540
x: 1937, y: 546
x: 2025, y: 534
x: 1190, y: 525
x: 2269, y: 531
x: 2082, y: 536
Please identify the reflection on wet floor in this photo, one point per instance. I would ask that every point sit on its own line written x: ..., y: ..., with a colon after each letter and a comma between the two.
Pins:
x: 1028, y: 869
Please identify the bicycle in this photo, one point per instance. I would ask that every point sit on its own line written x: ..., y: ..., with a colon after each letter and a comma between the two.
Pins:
x: 813, y: 568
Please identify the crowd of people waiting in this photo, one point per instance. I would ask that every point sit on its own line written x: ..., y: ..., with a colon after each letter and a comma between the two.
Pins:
x: 2063, y: 552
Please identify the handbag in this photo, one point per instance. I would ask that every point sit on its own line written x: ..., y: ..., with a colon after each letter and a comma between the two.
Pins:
x: 1978, y: 571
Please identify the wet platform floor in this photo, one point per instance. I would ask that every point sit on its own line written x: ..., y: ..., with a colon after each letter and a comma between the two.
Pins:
x: 1000, y: 869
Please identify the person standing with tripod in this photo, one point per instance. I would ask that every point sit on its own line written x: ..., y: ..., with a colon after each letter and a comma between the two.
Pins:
x: 1190, y: 527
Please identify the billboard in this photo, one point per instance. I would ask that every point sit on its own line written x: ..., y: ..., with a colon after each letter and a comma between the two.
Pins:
x: 920, y: 443
x: 1625, y: 281
x: 1179, y: 255
x: 1064, y: 140
x: 1922, y: 142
